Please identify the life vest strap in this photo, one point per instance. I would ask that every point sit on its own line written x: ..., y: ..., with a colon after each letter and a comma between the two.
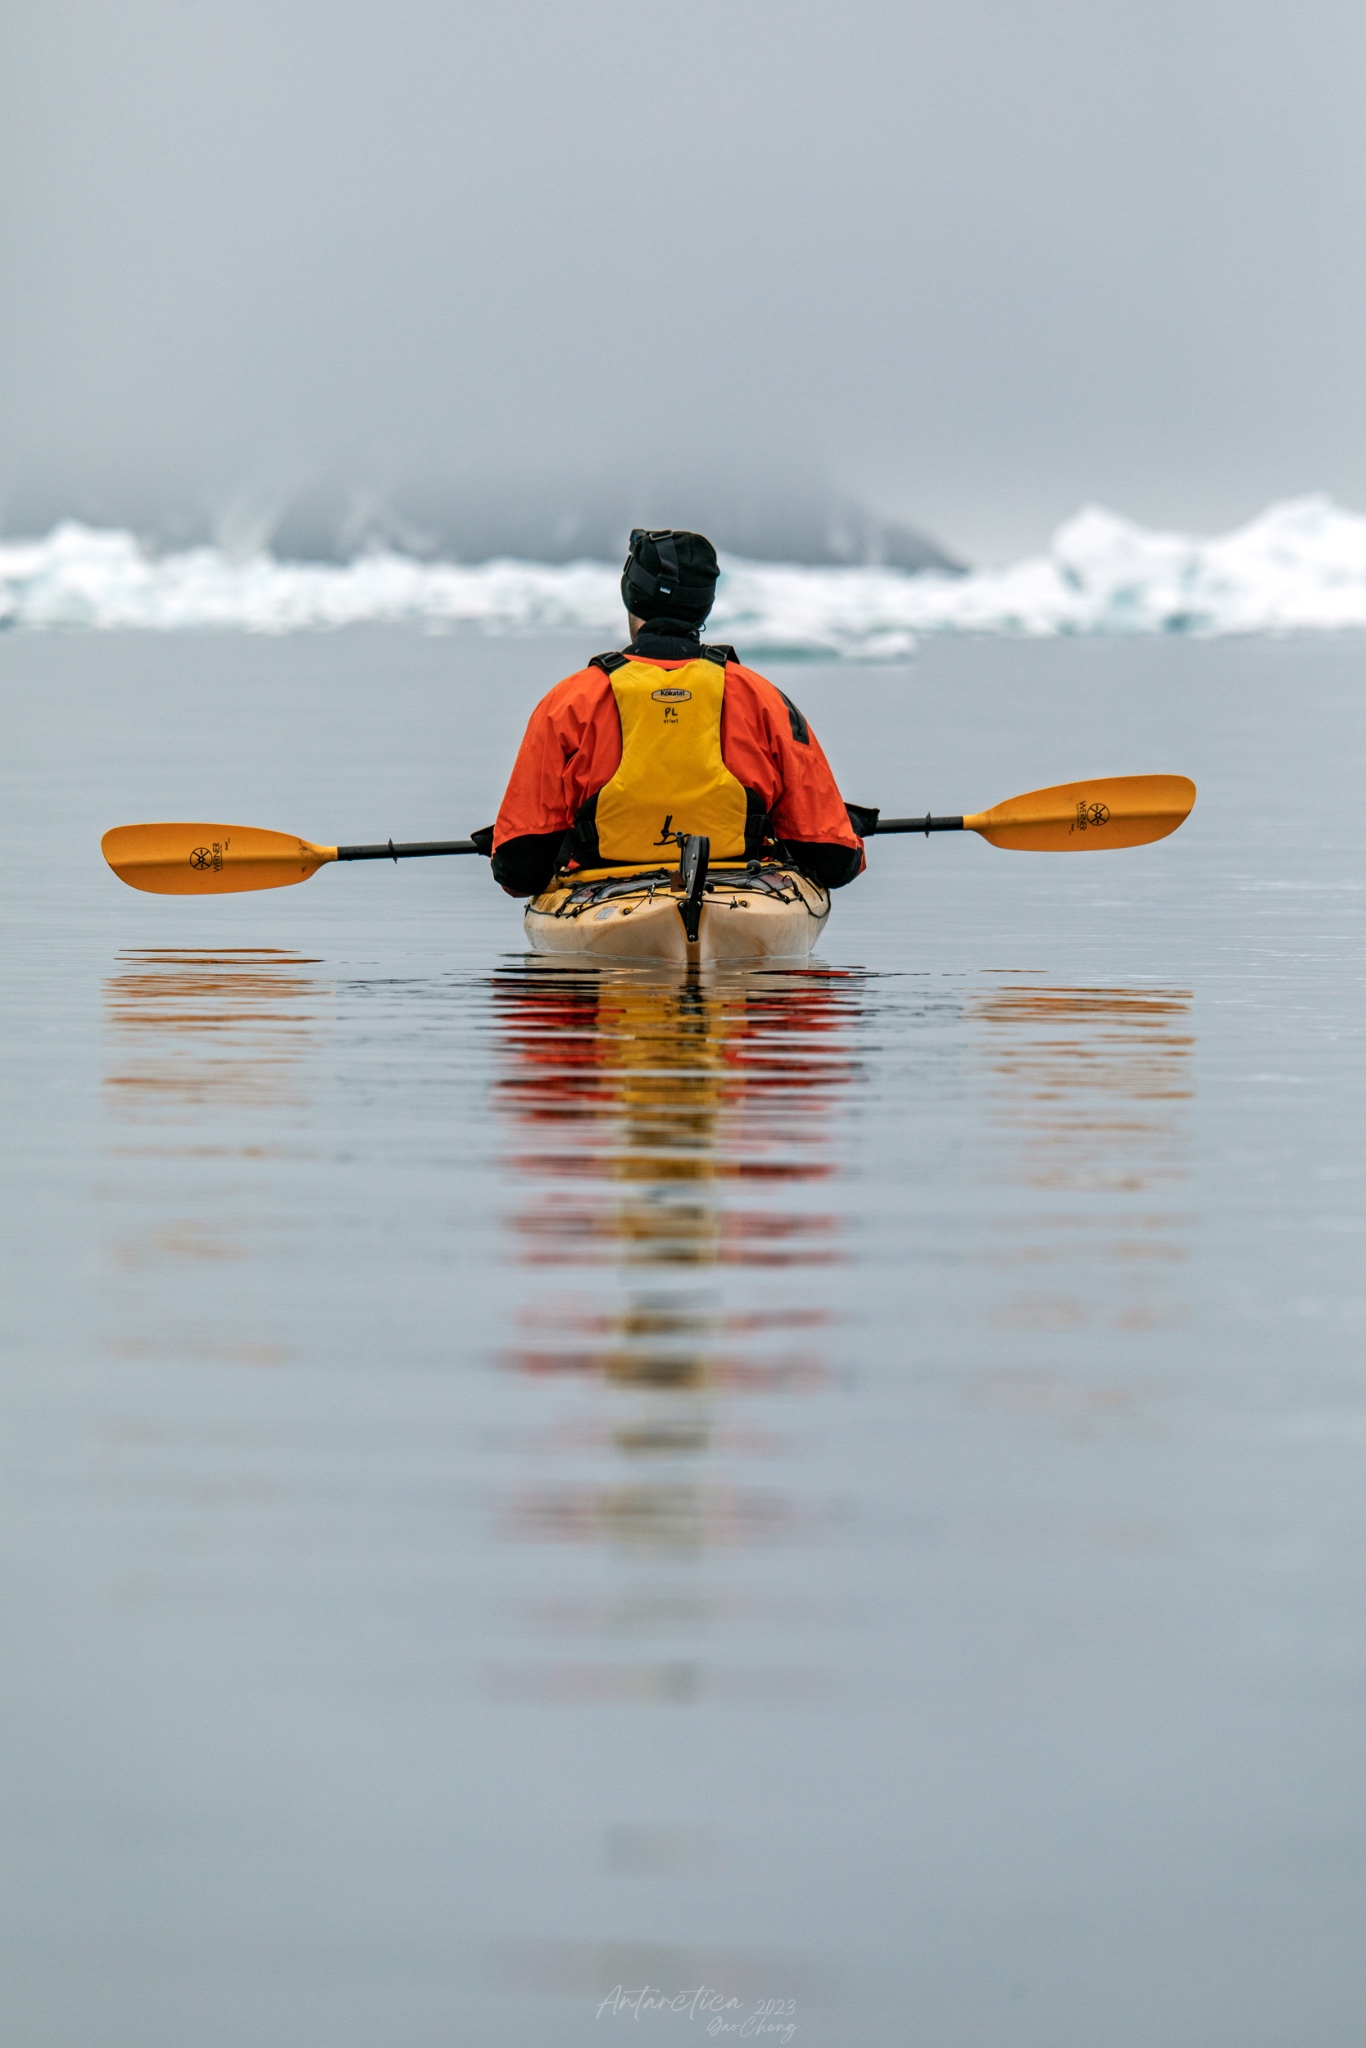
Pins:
x: 720, y: 655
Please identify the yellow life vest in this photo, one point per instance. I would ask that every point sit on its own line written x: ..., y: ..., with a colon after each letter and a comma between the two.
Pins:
x: 671, y: 777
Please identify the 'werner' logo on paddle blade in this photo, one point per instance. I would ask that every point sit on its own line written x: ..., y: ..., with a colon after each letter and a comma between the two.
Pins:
x: 1076, y: 817
x: 209, y: 860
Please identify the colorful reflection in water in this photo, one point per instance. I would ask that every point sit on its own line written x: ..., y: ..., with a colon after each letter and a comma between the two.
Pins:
x: 786, y: 1282
x: 673, y: 1147
x: 634, y: 1098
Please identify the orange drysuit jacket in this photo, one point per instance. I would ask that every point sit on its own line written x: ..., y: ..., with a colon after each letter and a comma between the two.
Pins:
x: 572, y: 749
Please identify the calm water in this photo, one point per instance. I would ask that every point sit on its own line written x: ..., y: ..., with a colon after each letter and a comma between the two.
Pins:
x: 843, y: 1486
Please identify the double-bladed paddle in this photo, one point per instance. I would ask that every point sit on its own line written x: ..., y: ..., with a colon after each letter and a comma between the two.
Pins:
x: 219, y: 860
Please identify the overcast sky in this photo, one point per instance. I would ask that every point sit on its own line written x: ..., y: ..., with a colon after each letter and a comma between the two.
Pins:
x: 971, y: 262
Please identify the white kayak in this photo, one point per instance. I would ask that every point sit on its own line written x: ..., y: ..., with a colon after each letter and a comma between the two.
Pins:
x: 762, y: 910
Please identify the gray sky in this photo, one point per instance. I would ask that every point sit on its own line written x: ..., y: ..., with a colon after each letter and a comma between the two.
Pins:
x: 970, y: 263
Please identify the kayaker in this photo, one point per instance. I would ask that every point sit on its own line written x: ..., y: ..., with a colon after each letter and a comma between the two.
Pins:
x: 666, y: 737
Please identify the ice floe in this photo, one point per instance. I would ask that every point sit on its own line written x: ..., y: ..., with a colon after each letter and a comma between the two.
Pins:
x: 1300, y: 566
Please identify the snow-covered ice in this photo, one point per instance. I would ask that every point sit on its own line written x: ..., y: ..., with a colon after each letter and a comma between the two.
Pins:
x: 1300, y: 566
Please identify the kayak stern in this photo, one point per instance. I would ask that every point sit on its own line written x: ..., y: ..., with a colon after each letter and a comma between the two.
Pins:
x: 765, y: 911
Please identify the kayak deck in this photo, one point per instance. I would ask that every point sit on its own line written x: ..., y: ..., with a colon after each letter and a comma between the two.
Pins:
x: 760, y: 910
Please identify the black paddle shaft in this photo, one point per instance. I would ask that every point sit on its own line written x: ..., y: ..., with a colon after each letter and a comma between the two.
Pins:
x: 421, y: 849
x: 866, y: 821
x: 927, y: 824
x: 413, y: 849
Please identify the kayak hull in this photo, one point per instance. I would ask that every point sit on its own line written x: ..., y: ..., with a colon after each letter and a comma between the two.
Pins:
x: 770, y: 914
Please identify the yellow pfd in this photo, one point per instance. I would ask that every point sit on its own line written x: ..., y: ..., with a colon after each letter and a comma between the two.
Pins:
x: 671, y: 777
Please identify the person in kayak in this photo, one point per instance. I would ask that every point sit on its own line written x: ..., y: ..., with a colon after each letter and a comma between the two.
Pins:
x: 665, y: 738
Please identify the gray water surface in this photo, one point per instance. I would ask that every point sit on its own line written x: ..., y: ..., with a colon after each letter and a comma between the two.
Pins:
x: 840, y: 1485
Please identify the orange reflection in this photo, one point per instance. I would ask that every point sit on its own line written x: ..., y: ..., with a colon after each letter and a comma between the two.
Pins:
x: 208, y: 1056
x: 663, y: 1107
x: 1089, y: 1094
x: 643, y: 1367
x: 657, y: 1091
x: 667, y: 1131
x: 200, y: 1030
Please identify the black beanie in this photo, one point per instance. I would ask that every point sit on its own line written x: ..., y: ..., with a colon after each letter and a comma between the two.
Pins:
x: 669, y: 575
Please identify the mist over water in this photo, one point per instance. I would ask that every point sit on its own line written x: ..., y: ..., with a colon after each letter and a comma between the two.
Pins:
x: 774, y: 518
x: 511, y: 277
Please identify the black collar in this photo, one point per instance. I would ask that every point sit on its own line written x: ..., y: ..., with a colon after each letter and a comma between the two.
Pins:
x: 668, y: 640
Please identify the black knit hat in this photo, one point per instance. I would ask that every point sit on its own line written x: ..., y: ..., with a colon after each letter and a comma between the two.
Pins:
x: 669, y: 575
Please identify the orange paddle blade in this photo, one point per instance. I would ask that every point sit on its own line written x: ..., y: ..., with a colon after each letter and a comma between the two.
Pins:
x: 209, y: 860
x: 1087, y: 817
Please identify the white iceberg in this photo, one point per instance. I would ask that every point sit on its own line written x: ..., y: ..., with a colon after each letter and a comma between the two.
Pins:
x: 1299, y: 567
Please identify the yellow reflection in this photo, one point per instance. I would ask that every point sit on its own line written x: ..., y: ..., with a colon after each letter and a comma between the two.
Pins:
x: 652, y: 1117
x: 652, y: 1093
x: 1089, y: 1093
x: 670, y: 1137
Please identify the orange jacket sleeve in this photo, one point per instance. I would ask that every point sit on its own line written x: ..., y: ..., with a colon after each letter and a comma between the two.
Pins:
x: 769, y: 747
x: 571, y: 747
